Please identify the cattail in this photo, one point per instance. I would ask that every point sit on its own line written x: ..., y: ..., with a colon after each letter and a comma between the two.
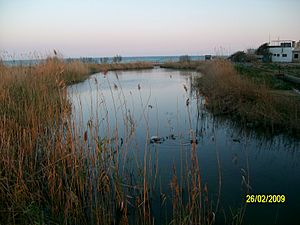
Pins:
x: 85, y: 136
x: 187, y: 102
x: 105, y: 71
x: 185, y: 88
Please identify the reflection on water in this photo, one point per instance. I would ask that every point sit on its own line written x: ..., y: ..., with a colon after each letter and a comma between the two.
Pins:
x: 157, y: 112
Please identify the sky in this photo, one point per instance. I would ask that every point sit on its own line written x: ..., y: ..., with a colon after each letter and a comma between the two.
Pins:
x: 96, y: 28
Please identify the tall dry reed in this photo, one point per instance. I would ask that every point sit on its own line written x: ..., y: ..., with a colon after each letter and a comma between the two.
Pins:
x: 254, y: 105
x: 51, y: 171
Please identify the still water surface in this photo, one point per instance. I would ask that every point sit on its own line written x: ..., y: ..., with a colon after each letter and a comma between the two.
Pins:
x: 163, y: 103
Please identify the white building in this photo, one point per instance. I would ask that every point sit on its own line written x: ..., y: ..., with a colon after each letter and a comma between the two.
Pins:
x: 282, y: 50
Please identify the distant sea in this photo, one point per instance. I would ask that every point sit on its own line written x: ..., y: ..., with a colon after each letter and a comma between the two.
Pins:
x: 152, y: 59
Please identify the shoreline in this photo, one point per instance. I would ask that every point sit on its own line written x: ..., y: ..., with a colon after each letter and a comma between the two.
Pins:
x: 246, y: 101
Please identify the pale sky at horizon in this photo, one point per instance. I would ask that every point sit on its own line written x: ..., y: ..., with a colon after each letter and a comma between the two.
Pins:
x: 144, y: 28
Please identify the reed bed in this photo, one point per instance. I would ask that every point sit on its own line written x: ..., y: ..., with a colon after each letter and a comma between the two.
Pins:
x: 249, y: 103
x: 52, y: 172
x: 120, y: 66
x: 190, y: 65
x: 35, y: 162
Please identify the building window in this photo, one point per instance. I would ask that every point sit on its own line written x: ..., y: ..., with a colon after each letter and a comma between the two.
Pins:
x: 286, y: 45
x: 274, y: 54
x: 284, y: 55
x: 278, y: 55
x: 296, y: 56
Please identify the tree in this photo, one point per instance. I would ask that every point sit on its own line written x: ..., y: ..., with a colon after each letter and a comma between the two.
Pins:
x: 264, y: 51
x: 239, y: 56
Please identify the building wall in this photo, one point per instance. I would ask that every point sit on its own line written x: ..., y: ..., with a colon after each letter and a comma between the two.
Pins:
x: 296, y: 53
x: 282, y: 54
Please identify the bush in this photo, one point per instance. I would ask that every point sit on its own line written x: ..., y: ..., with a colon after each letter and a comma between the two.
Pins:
x: 239, y: 56
x: 264, y: 51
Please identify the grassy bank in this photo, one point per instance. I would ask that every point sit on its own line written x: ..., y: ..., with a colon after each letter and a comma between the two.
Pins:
x: 259, y: 73
x: 191, y: 65
x: 264, y: 73
x: 119, y: 66
x: 48, y: 173
x: 246, y: 98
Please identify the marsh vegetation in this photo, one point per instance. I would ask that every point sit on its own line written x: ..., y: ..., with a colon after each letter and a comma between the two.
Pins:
x: 252, y: 96
x: 54, y: 172
x: 82, y: 154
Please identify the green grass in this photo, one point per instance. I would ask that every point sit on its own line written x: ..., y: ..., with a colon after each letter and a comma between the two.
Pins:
x: 263, y: 73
